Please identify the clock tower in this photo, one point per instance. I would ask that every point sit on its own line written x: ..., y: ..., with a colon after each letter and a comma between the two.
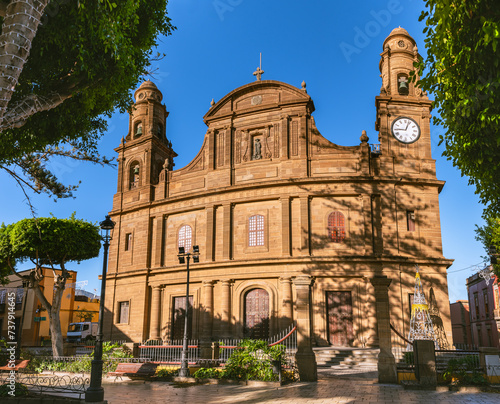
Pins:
x: 403, y: 111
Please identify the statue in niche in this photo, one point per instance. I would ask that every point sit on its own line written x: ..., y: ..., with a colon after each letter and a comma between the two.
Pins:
x: 257, y: 150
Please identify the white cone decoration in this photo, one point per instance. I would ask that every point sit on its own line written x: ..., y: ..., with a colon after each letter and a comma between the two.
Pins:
x: 420, y: 322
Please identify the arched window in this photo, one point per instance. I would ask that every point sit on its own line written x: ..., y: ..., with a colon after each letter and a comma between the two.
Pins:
x: 256, y: 231
x: 403, y: 85
x: 138, y: 129
x: 257, y: 314
x: 134, y: 175
x: 185, y: 237
x: 336, y: 227
x: 159, y: 130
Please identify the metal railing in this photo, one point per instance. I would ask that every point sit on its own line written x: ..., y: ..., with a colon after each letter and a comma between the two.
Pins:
x: 171, y: 351
x: 68, y: 385
x: 87, y: 347
x: 287, y: 337
x: 168, y: 351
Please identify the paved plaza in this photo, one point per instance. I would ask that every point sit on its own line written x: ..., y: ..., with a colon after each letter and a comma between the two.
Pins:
x: 332, y: 387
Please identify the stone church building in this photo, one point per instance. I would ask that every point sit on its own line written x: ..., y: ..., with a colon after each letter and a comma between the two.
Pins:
x: 280, y: 214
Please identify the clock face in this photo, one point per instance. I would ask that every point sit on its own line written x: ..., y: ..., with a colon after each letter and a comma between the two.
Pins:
x: 406, y: 130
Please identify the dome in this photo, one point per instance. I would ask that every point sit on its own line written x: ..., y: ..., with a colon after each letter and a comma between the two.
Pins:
x: 398, y: 36
x: 148, y: 90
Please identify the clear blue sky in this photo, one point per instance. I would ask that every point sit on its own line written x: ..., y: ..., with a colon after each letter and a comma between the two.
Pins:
x: 334, y: 46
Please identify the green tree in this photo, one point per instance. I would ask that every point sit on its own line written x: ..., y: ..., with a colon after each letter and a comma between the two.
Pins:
x: 489, y: 235
x: 65, y: 66
x: 463, y: 73
x: 47, y: 242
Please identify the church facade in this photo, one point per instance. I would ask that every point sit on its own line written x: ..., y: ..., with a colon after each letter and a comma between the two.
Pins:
x: 275, y: 207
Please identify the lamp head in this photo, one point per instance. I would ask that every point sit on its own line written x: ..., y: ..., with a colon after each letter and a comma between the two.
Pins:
x: 107, y: 224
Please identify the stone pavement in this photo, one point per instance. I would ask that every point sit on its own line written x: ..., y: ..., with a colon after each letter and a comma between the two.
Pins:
x: 332, y: 387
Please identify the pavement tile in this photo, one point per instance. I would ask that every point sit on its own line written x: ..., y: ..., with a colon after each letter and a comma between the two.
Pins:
x: 352, y: 388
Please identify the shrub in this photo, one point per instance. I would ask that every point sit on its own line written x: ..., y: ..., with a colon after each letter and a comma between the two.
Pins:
x: 19, y: 390
x: 251, y: 361
x: 81, y: 364
x: 464, y: 370
x: 208, y: 373
x: 408, y: 357
x: 166, y: 372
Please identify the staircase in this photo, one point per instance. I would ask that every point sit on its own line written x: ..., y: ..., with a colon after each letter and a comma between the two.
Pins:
x: 347, y: 358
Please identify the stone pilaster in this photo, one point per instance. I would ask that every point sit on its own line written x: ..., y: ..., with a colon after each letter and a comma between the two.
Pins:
x: 285, y: 226
x: 387, y: 372
x: 226, y: 307
x: 208, y: 307
x: 306, y: 360
x: 286, y: 309
x: 226, y: 231
x: 207, y: 318
x: 155, y: 313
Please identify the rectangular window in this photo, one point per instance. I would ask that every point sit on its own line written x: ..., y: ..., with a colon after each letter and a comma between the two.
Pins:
x: 19, y: 298
x: 256, y: 231
x: 410, y: 220
x: 476, y: 305
x: 128, y: 241
x: 123, y: 308
x: 486, y: 305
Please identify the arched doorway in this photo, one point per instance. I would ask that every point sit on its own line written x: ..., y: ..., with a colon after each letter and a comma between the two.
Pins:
x: 257, y: 314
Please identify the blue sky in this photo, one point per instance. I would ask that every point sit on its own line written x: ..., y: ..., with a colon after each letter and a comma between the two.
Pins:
x: 333, y: 46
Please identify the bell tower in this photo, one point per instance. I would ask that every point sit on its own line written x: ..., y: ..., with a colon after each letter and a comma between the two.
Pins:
x: 145, y: 153
x: 403, y: 111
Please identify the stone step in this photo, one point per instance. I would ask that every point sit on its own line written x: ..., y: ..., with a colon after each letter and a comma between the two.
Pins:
x: 346, y: 358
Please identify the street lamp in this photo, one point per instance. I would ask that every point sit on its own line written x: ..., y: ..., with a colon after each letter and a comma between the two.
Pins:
x: 184, y: 257
x: 95, y: 393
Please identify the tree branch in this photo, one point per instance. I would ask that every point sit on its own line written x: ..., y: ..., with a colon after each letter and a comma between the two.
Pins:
x: 18, y: 30
x: 17, y: 115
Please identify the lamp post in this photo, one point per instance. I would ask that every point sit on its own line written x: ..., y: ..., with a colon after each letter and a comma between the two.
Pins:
x: 185, y: 257
x: 95, y: 393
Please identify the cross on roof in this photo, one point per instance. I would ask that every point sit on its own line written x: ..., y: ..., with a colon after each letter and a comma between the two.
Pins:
x: 259, y: 72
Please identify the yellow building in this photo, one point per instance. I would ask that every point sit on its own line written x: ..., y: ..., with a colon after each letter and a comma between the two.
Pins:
x: 35, y: 328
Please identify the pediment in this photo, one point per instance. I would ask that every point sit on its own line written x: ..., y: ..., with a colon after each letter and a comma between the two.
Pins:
x: 258, y: 96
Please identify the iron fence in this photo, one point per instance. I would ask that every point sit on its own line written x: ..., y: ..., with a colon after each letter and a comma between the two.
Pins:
x: 445, y: 355
x: 169, y: 351
x: 73, y: 385
x: 87, y: 347
x: 287, y: 338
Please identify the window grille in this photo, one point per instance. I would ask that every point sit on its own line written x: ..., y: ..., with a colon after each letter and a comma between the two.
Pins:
x: 185, y: 237
x: 256, y: 231
x: 336, y: 227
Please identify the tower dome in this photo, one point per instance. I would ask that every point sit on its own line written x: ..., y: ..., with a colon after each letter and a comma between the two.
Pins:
x: 148, y: 90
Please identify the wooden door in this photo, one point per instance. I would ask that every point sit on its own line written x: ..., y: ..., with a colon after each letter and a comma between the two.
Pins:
x: 178, y: 317
x: 340, y: 329
x: 257, y: 314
